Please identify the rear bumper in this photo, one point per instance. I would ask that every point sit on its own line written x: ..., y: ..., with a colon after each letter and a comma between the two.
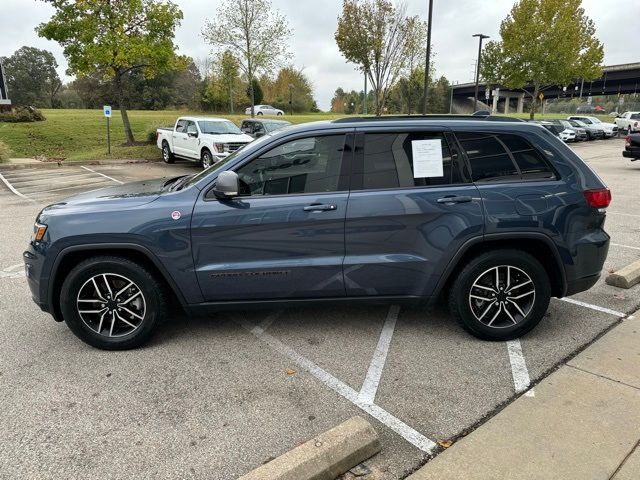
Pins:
x: 633, y: 154
x: 589, y: 254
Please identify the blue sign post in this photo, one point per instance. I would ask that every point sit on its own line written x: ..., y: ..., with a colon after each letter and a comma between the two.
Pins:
x: 107, y: 113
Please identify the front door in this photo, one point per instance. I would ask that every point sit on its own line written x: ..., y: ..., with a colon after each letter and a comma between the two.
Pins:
x: 191, y: 142
x: 412, y: 206
x: 283, y: 236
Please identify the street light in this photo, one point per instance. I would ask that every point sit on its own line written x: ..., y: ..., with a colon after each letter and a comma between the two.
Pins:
x: 426, y: 69
x: 291, y: 98
x: 475, y: 97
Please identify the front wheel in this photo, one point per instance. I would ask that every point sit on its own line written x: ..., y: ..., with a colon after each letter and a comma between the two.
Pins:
x: 500, y: 295
x: 259, y: 114
x: 206, y: 159
x: 280, y: 114
x: 112, y: 303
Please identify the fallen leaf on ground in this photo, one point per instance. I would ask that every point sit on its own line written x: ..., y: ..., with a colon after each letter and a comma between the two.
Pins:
x: 445, y: 443
x: 290, y: 371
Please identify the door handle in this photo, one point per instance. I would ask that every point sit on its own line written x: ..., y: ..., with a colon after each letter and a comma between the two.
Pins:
x: 318, y: 207
x: 454, y: 199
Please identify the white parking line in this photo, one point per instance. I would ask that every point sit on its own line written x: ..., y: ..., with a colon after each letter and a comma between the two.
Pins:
x: 266, y: 323
x: 519, y: 370
x: 14, y: 271
x: 624, y: 246
x: 405, y: 431
x: 372, y: 380
x: 102, y: 174
x: 595, y: 307
x: 13, y: 190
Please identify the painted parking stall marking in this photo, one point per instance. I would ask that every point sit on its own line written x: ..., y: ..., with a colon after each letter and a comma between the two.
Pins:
x: 14, y: 271
x: 102, y: 175
x: 405, y: 431
x: 594, y: 307
x: 12, y: 188
x: 519, y: 370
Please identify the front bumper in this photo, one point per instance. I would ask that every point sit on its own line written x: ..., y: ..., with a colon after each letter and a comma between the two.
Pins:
x: 33, y: 266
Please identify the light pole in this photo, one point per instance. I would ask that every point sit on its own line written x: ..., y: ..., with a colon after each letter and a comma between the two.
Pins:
x: 451, y: 98
x: 475, y: 97
x: 291, y: 99
x: 426, y: 68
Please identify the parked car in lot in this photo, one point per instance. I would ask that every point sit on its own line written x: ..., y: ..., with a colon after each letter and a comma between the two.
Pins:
x: 632, y: 147
x: 593, y: 132
x: 609, y: 129
x: 580, y: 133
x: 495, y: 216
x: 200, y: 139
x: 257, y: 128
x: 264, y: 110
x: 628, y: 122
x: 564, y: 134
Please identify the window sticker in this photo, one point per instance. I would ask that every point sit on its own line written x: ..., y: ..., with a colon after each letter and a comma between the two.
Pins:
x: 427, y: 158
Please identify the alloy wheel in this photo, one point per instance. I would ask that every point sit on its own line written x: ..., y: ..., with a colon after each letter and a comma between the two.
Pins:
x: 111, y: 305
x: 207, y: 161
x: 502, y: 296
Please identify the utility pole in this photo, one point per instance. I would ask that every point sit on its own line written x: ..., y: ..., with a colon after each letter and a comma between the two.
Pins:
x: 291, y: 99
x: 364, y: 104
x: 475, y: 97
x: 426, y: 69
x: 451, y: 98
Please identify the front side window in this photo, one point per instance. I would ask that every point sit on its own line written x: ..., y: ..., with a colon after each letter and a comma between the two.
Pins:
x: 388, y: 162
x: 181, y: 126
x: 305, y: 165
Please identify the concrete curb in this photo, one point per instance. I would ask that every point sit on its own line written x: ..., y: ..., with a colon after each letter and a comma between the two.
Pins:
x: 53, y: 165
x: 626, y: 277
x: 326, y: 456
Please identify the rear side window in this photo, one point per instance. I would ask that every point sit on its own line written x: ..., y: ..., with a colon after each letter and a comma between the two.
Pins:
x: 503, y: 157
x: 387, y: 162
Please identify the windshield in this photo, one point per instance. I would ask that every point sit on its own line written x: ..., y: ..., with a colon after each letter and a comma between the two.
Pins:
x: 272, y: 126
x: 218, y: 167
x: 578, y: 123
x: 595, y: 120
x: 218, y: 127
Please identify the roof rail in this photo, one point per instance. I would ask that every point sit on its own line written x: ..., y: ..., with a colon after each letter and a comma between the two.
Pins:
x: 490, y: 118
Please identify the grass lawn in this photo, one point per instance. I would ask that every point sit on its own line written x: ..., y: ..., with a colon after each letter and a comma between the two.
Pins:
x: 81, y: 134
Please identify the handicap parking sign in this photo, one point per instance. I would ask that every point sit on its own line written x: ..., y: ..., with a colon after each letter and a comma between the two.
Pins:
x: 107, y: 111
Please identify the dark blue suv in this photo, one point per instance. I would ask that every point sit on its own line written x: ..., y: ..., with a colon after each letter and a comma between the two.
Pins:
x: 495, y: 216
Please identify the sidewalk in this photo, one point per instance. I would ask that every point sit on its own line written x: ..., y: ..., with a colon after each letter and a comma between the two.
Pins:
x: 583, y: 423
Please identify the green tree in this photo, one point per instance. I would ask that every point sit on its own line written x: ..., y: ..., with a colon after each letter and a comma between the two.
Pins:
x: 32, y: 78
x: 115, y: 38
x: 543, y: 43
x: 254, y: 32
x: 229, y: 72
x: 415, y: 56
x: 254, y: 92
x: 374, y: 34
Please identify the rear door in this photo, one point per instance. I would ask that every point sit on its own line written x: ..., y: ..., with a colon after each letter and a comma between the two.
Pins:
x: 406, y: 219
x: 283, y: 236
x: 179, y: 135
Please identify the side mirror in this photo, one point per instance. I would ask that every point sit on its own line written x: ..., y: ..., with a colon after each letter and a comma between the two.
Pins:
x: 226, y: 185
x: 193, y: 134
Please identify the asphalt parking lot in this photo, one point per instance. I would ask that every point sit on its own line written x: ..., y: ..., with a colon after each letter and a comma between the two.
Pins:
x: 215, y: 397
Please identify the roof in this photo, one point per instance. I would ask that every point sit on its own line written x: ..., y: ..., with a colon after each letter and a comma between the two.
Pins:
x: 210, y: 119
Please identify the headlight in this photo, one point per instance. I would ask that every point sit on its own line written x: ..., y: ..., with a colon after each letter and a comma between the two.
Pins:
x: 38, y: 231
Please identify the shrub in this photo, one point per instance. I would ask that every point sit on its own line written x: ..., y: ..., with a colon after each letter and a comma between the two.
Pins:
x: 152, y: 130
x: 22, y: 114
x: 5, y: 153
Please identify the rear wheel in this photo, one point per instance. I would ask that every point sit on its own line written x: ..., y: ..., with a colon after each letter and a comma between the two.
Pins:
x: 279, y: 114
x: 167, y: 156
x: 500, y: 295
x: 112, y: 303
x: 259, y: 113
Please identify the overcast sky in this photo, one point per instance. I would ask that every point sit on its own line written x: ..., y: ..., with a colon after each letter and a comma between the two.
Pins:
x: 314, y: 23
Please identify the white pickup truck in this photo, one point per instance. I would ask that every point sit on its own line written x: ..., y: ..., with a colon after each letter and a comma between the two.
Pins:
x: 628, y: 122
x: 206, y: 140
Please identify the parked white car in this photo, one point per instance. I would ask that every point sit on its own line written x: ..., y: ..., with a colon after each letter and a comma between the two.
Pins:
x: 609, y: 129
x: 629, y: 122
x: 264, y: 110
x: 206, y: 140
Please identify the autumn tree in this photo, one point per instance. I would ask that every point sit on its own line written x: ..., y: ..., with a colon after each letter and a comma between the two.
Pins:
x: 415, y: 54
x: 374, y: 35
x: 32, y: 78
x: 543, y: 43
x: 115, y: 39
x: 229, y: 71
x: 254, y: 32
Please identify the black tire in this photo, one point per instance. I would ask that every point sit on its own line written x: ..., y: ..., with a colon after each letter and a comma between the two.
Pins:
x: 259, y: 114
x: 279, y: 114
x: 206, y: 158
x: 522, y: 265
x: 152, y: 298
x: 167, y: 156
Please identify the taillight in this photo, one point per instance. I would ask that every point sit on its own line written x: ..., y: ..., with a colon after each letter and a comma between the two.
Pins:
x: 600, y: 198
x: 627, y: 141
